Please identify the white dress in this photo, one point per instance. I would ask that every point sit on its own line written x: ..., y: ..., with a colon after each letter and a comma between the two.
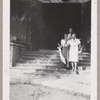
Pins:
x: 73, y: 51
x: 60, y: 51
x: 63, y: 42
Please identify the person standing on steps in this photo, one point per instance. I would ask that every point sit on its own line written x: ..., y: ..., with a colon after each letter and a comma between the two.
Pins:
x: 64, y: 48
x: 61, y: 48
x: 74, y: 44
x: 68, y: 37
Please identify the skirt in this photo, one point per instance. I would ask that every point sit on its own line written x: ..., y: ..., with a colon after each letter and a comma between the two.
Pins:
x: 65, y: 52
x: 73, y: 54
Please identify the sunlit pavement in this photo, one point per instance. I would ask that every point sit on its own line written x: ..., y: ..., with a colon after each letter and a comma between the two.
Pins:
x: 52, y: 77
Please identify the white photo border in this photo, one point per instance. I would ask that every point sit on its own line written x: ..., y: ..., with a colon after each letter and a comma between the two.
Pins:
x: 94, y: 50
x: 6, y: 49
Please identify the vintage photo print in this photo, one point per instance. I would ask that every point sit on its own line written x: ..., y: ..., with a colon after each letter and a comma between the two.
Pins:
x: 50, y: 50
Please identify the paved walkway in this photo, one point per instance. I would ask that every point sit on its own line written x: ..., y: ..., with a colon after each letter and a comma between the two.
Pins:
x: 62, y: 79
x: 42, y: 67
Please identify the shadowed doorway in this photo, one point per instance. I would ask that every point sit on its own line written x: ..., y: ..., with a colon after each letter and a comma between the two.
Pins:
x: 53, y: 21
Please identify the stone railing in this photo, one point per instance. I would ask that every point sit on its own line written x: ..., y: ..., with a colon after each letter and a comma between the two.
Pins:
x: 15, y: 52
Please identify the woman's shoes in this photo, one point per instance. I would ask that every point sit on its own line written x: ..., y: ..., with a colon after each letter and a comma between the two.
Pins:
x: 73, y: 68
x: 77, y: 72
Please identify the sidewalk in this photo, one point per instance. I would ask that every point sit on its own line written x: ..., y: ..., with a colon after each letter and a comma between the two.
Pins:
x: 64, y: 80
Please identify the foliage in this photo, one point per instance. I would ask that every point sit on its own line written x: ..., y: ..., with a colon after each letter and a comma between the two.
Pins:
x: 21, y: 10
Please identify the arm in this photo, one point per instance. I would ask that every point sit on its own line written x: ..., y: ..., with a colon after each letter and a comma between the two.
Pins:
x: 59, y: 45
x: 68, y: 43
x: 79, y: 44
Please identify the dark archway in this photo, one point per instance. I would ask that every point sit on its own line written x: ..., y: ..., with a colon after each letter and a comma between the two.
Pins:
x: 44, y: 24
x: 55, y: 20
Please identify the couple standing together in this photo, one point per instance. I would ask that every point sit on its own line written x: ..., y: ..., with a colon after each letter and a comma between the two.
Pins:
x: 68, y: 48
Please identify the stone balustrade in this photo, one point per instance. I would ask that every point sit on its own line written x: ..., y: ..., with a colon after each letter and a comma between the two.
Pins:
x: 15, y: 52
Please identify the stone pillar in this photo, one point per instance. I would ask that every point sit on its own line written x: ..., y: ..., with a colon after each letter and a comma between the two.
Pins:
x: 15, y: 52
x: 86, y: 22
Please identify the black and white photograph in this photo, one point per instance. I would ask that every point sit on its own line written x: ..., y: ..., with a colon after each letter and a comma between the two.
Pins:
x: 50, y: 50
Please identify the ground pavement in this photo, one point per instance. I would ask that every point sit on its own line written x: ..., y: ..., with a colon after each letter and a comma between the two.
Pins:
x: 44, y: 69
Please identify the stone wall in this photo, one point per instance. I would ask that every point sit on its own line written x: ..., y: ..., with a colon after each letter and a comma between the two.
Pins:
x: 15, y: 52
x: 18, y: 30
x: 86, y: 25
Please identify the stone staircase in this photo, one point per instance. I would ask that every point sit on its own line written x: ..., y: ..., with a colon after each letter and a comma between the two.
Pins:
x: 47, y: 60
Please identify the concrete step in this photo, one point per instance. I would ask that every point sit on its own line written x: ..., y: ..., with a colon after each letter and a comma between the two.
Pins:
x: 50, y: 51
x: 37, y: 53
x: 56, y: 55
x: 51, y: 57
x: 40, y: 52
x: 84, y: 64
x: 47, y: 60
x: 39, y: 64
x: 49, y: 64
x: 47, y: 57
x: 50, y: 61
x: 35, y: 61
x: 48, y: 67
x: 42, y: 67
x: 41, y: 55
x: 57, y: 70
x: 29, y: 60
x: 47, y: 70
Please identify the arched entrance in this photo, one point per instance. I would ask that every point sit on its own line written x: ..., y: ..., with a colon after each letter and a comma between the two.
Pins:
x: 56, y: 20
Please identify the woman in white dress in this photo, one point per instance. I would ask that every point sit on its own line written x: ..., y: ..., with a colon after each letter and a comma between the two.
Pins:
x: 62, y: 51
x: 74, y: 44
x: 64, y: 48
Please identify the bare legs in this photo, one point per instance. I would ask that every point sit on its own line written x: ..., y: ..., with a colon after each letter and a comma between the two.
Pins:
x: 72, y: 64
x: 67, y: 57
x: 67, y: 63
x: 75, y: 67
